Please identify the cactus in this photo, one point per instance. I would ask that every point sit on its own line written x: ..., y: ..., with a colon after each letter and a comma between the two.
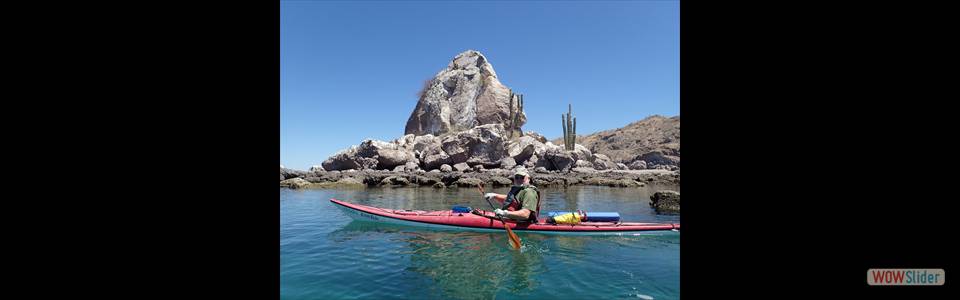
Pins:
x: 513, y: 121
x: 516, y: 120
x: 510, y: 117
x: 569, y: 129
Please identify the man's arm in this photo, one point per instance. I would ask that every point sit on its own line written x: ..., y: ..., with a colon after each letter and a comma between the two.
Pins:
x: 522, y: 214
x: 498, y: 197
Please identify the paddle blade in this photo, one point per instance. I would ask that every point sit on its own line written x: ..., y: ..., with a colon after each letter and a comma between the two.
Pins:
x: 514, y: 239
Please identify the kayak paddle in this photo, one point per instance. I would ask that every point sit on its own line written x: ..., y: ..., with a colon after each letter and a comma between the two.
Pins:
x: 514, y: 239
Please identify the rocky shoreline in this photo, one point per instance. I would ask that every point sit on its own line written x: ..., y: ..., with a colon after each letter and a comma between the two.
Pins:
x: 296, y: 179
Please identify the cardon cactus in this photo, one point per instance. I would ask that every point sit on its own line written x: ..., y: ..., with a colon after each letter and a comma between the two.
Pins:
x: 513, y: 121
x: 569, y: 128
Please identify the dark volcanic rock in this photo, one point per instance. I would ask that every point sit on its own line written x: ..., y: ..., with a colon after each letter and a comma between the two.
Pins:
x: 666, y: 202
x: 291, y: 173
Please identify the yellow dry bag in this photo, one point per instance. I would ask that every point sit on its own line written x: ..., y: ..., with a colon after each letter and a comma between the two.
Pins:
x: 568, y: 218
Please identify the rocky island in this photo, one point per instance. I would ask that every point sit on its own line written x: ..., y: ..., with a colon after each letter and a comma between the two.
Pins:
x: 467, y: 129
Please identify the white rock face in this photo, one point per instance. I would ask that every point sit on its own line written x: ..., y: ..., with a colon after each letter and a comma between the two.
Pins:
x: 467, y: 93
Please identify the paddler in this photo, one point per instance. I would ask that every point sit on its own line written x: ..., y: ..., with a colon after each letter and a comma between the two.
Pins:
x: 522, y: 202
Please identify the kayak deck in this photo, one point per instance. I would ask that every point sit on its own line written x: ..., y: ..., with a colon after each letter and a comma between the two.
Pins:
x: 451, y: 220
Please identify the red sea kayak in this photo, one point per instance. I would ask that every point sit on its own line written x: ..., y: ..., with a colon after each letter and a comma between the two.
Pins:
x: 447, y: 219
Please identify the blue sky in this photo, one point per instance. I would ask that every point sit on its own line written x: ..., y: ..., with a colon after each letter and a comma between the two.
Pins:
x: 351, y: 70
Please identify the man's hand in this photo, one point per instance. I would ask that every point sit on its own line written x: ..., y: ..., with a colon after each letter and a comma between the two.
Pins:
x: 500, y: 213
x: 489, y: 196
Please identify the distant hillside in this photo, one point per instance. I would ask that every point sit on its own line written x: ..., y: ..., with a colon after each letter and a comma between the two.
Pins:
x: 654, y: 133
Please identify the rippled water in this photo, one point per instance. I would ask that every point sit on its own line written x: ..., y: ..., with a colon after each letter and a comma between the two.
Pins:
x: 326, y: 255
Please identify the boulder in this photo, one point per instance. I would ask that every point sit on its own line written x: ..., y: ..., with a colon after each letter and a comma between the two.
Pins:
x: 461, y: 167
x: 423, y: 142
x: 399, y: 169
x: 559, y: 160
x: 621, y: 166
x: 330, y: 176
x: 295, y: 183
x: 602, y: 162
x: 478, y: 168
x: 422, y: 180
x: 523, y: 148
x: 536, y: 136
x: 665, y: 202
x: 389, y: 158
x: 659, y: 158
x: 405, y: 142
x: 505, y: 173
x: 412, y: 165
x: 582, y: 164
x: 291, y: 173
x: 343, y: 160
x: 501, y: 181
x: 582, y: 153
x: 457, y: 147
x: 486, y: 145
x: 540, y: 170
x: 450, y: 178
x: 316, y: 168
x: 638, y: 165
x: 371, y: 148
x: 446, y: 168
x: 507, y: 163
x: 434, y: 159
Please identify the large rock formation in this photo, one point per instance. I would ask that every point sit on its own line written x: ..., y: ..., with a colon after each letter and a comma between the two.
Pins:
x: 458, y: 124
x: 465, y: 94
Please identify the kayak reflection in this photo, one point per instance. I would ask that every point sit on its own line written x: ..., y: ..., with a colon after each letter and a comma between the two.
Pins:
x: 462, y: 264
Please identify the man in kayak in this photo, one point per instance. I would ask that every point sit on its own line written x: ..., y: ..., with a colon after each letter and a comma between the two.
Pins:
x: 521, y: 202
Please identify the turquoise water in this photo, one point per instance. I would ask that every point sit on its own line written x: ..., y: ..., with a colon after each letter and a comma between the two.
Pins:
x: 326, y: 255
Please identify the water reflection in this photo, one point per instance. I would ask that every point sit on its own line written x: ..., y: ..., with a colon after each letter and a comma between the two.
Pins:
x: 453, y: 261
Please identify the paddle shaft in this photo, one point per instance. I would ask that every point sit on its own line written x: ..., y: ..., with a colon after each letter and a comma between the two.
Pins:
x: 514, y: 239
